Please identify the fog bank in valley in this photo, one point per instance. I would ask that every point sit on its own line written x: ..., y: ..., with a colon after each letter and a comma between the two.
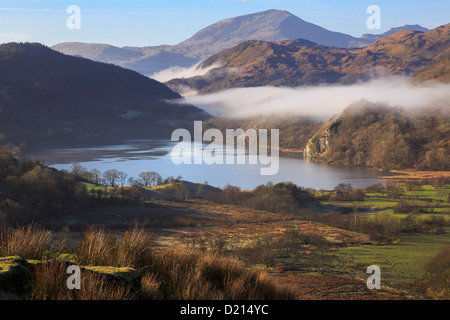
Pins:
x: 181, y: 72
x: 319, y: 101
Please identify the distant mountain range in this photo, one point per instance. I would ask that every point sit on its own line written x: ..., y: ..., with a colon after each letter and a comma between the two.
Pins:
x: 408, y: 27
x: 301, y: 62
x: 50, y: 99
x: 143, y: 60
x: 271, y: 25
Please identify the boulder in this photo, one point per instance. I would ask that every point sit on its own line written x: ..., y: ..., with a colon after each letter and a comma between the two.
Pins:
x: 15, y: 275
x: 127, y: 277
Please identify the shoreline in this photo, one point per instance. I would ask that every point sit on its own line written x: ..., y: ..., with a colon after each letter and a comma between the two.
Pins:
x: 394, y: 174
x: 412, y: 174
x: 291, y: 153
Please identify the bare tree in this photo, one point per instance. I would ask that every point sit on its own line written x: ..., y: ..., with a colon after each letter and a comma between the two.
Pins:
x: 122, y: 178
x: 199, y: 192
x: 111, y: 176
x: 96, y: 176
x: 150, y: 178
x: 181, y: 191
x: 134, y: 182
x: 78, y: 171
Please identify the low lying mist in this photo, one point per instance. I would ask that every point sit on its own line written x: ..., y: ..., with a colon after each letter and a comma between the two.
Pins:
x: 181, y: 72
x: 319, y: 101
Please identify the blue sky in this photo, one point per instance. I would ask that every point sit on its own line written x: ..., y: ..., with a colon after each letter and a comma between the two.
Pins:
x: 154, y: 22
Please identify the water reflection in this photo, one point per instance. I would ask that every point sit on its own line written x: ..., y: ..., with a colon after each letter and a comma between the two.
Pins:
x: 134, y: 157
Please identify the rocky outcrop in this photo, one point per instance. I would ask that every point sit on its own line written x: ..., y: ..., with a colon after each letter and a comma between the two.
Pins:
x: 319, y: 145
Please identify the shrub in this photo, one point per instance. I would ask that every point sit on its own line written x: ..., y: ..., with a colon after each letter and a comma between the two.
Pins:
x: 30, y: 242
x: 98, y: 247
x: 50, y: 283
x: 404, y: 206
x: 280, y: 198
x: 95, y: 248
x: 438, y: 281
x: 168, y: 273
x: 134, y: 249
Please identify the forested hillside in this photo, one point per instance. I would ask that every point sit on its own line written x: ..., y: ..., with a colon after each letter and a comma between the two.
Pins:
x: 379, y: 136
x: 29, y: 190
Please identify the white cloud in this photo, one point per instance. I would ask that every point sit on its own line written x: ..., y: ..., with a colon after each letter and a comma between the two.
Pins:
x: 322, y: 101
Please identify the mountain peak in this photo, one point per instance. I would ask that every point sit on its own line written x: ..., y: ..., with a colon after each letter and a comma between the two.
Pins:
x: 272, y: 12
x: 269, y: 25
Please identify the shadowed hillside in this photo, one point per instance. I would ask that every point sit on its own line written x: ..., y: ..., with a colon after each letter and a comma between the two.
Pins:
x: 48, y: 98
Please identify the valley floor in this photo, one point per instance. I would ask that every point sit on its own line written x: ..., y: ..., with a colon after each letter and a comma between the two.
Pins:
x: 331, y: 264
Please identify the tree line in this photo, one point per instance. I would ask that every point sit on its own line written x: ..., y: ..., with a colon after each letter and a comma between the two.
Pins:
x: 284, y: 197
x: 29, y: 190
x: 115, y: 178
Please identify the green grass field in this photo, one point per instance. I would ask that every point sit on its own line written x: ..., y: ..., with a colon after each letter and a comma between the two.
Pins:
x: 405, y: 261
x: 399, y: 263
x: 429, y: 199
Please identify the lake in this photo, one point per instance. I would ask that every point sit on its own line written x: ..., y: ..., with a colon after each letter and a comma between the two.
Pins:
x: 137, y: 156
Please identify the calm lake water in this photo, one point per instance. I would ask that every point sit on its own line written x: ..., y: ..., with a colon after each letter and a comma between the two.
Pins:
x: 134, y: 157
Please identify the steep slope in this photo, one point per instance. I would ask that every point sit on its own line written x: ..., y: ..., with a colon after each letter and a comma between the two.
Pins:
x: 301, y: 62
x: 437, y: 71
x: 50, y: 98
x: 270, y: 25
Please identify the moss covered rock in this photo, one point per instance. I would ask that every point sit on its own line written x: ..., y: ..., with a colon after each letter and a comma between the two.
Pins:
x: 15, y: 275
x: 127, y: 277
x: 68, y: 258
